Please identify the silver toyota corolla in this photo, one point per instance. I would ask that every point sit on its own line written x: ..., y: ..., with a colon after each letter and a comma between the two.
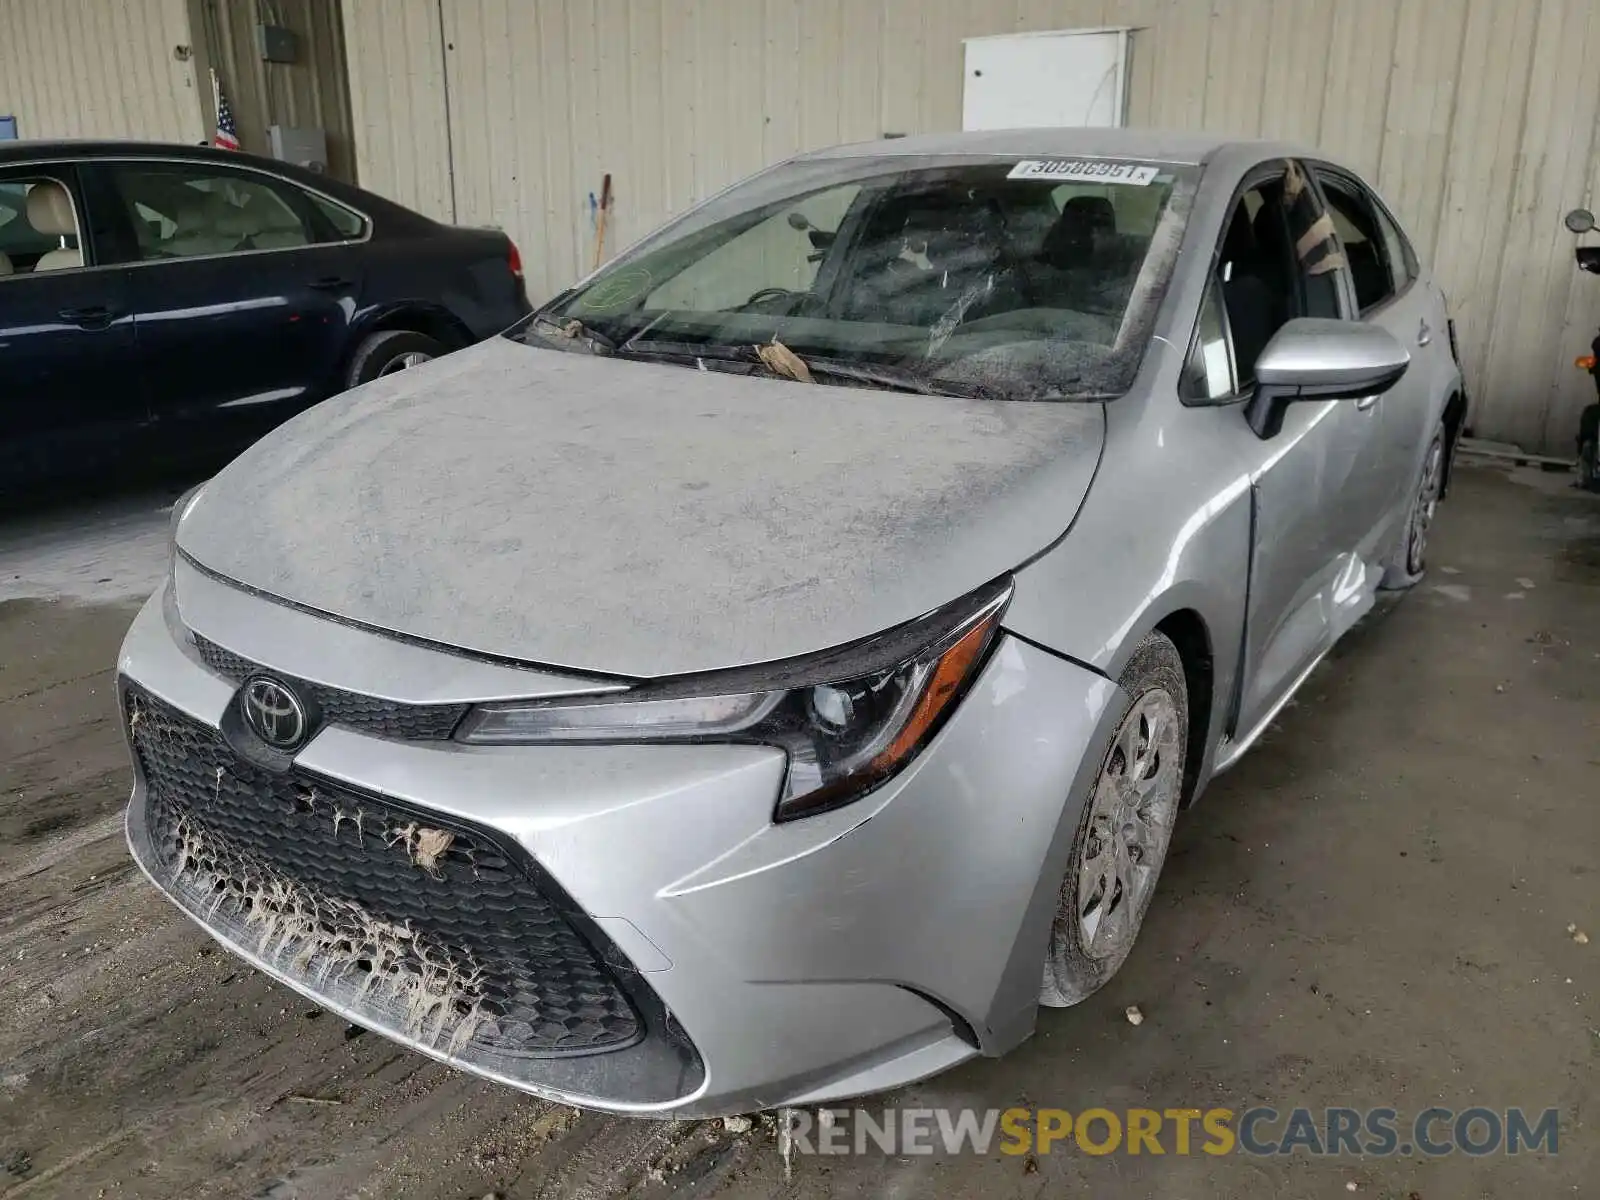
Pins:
x: 772, y: 672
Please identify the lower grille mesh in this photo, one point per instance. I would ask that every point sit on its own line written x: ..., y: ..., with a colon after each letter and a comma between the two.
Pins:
x: 426, y: 926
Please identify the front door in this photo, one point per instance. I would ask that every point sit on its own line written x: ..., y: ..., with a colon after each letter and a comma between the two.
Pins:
x: 1318, y: 487
x: 242, y: 293
x: 68, y: 385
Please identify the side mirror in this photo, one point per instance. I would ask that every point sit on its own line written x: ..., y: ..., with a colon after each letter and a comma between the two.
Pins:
x: 1313, y: 358
x: 1579, y: 220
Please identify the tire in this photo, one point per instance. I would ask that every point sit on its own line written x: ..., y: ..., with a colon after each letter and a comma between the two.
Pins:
x: 380, y: 354
x: 1409, y: 561
x: 1100, y: 911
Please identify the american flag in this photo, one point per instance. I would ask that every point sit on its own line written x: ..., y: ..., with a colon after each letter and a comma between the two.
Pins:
x: 227, y: 132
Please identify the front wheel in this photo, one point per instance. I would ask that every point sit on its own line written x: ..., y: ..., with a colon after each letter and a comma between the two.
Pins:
x: 1125, y: 829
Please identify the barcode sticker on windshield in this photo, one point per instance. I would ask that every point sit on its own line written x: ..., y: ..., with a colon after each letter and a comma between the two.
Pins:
x: 1084, y: 170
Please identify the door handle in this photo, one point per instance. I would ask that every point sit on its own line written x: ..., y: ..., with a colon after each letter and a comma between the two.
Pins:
x: 91, y: 316
x: 1365, y: 403
x: 329, y: 283
x: 1424, y: 333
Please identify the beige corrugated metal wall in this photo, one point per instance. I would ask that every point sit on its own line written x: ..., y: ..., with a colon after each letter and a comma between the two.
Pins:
x: 1476, y: 118
x: 71, y: 69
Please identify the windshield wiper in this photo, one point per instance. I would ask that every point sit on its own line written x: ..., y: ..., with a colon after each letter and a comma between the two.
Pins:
x: 890, y: 378
x: 575, y: 330
x: 897, y: 379
x: 661, y: 348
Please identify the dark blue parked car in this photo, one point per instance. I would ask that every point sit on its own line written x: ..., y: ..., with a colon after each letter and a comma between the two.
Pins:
x: 203, y: 296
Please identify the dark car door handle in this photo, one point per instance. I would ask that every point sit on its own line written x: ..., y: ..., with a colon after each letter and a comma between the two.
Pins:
x: 330, y: 283
x: 89, y: 316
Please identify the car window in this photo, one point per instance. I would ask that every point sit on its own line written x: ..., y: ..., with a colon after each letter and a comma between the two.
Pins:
x: 346, y: 222
x: 43, y: 236
x: 1210, y: 371
x: 188, y: 211
x: 1319, y: 265
x: 1403, y: 267
x: 1278, y: 261
x: 1365, y: 249
x: 779, y: 255
x: 919, y: 272
x: 1254, y: 275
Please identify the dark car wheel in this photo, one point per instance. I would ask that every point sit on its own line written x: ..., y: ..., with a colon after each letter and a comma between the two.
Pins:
x: 393, y: 350
x: 1125, y: 829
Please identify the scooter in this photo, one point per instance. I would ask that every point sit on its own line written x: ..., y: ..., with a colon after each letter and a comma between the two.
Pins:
x: 1581, y: 221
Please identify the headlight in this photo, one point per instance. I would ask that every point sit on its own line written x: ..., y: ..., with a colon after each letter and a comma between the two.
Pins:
x: 848, y: 719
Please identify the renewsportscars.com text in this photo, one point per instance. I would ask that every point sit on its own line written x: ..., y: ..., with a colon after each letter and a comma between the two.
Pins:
x: 1372, y: 1132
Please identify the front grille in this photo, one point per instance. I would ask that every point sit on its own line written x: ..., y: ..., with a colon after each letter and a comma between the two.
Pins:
x: 424, y: 925
x: 369, y: 714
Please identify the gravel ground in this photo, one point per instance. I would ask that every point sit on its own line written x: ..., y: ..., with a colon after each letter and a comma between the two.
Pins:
x: 1371, y: 910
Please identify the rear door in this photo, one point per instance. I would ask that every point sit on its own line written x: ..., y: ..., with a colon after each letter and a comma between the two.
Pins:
x: 243, y: 288
x: 1387, y: 293
x: 67, y: 377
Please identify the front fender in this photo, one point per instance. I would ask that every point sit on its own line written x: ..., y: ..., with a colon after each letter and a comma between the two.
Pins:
x: 1166, y: 529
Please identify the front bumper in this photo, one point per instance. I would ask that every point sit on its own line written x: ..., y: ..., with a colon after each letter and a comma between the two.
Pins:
x: 761, y: 964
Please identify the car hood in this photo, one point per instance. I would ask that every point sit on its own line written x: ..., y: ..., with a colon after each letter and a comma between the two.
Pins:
x: 638, y: 519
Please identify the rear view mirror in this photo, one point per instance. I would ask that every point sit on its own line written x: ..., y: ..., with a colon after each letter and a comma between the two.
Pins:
x: 1579, y: 220
x: 1318, y: 359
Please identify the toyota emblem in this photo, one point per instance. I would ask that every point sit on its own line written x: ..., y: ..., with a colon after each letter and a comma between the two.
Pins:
x: 274, y: 712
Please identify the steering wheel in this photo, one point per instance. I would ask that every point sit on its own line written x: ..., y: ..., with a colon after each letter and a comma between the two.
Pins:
x: 772, y: 293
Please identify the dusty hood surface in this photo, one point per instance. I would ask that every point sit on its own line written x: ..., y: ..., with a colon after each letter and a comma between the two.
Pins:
x: 639, y: 519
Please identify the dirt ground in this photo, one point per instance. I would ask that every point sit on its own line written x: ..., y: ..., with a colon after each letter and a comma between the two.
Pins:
x: 1371, y: 910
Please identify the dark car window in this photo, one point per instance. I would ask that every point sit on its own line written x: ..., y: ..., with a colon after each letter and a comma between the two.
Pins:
x: 1278, y: 261
x: 190, y: 210
x: 1255, y: 275
x: 346, y: 223
x: 26, y: 248
x: 1365, y: 248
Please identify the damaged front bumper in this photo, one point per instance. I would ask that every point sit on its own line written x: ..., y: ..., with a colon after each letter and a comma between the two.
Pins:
x: 614, y: 927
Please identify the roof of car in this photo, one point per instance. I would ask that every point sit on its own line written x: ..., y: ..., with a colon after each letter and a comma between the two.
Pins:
x: 67, y: 148
x: 95, y: 148
x: 1154, y: 145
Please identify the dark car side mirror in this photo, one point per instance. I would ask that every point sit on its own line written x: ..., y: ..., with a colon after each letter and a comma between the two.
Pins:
x: 1313, y: 358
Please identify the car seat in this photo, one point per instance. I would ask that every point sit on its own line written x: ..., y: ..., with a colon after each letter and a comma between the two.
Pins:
x: 50, y: 214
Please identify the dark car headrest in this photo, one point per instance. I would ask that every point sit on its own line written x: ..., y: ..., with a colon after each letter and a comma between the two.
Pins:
x: 1086, y: 223
x: 1094, y: 211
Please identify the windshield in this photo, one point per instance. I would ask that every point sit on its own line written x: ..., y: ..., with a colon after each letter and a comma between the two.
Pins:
x: 1015, y: 278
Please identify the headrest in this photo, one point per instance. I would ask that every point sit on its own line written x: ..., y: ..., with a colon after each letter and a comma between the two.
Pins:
x: 1095, y: 212
x: 1085, y: 224
x: 50, y: 209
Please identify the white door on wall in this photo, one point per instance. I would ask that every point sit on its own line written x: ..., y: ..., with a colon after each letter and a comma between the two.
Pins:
x: 1026, y: 80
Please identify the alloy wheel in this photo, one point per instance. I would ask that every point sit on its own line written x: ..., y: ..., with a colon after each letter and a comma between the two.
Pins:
x: 401, y: 362
x: 1135, y: 804
x: 1423, y: 510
